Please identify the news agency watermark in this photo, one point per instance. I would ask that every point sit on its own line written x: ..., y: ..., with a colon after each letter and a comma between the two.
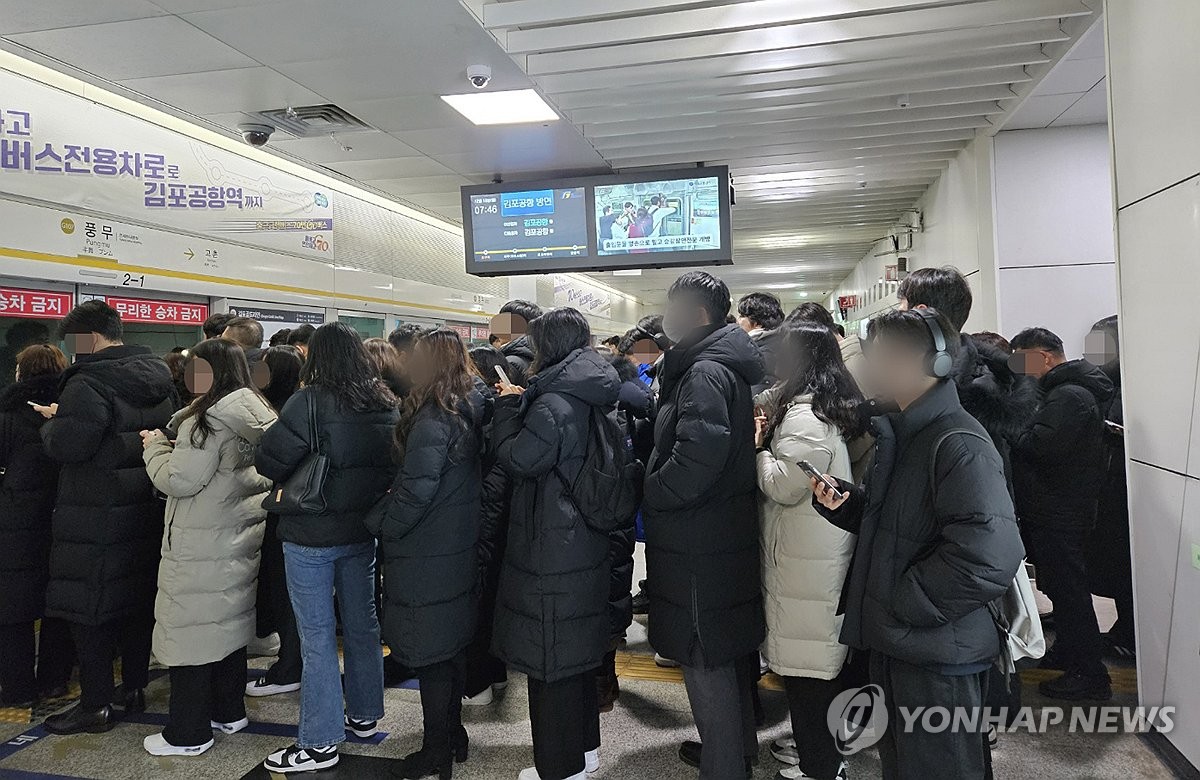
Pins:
x: 858, y: 718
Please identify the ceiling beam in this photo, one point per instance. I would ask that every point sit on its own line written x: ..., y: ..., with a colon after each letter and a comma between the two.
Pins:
x: 720, y: 64
x: 893, y: 25
x: 532, y: 13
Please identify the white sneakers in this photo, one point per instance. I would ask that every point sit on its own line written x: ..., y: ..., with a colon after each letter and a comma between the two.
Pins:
x: 481, y: 699
x: 263, y: 647
x: 261, y: 687
x: 794, y: 773
x: 591, y: 763
x: 784, y: 750
x: 157, y: 745
x: 363, y: 729
x: 663, y: 662
x: 230, y: 728
x: 298, y: 759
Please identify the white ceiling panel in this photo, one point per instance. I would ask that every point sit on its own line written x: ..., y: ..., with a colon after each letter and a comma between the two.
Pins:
x: 221, y: 91
x: 20, y: 16
x: 1090, y: 109
x: 158, y: 46
x: 833, y: 115
x: 1072, y: 76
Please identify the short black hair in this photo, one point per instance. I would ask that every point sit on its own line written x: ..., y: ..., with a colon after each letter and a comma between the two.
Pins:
x: 523, y: 309
x: 93, y: 316
x: 709, y: 291
x: 301, y: 334
x: 1038, y: 338
x: 556, y: 334
x: 485, y: 360
x: 841, y: 330
x: 612, y: 341
x: 992, y: 339
x: 215, y: 325
x: 763, y: 309
x: 912, y: 327
x: 811, y: 311
x: 404, y: 338
x: 280, y: 337
x: 944, y: 289
x: 245, y: 332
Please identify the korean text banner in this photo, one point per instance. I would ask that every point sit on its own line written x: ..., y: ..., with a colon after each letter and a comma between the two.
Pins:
x: 61, y: 148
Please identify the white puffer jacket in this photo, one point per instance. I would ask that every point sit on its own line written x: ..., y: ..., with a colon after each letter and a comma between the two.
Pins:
x: 213, y: 532
x: 804, y: 557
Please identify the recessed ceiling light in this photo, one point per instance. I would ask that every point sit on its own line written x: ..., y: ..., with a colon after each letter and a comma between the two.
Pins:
x: 507, y: 107
x: 628, y: 272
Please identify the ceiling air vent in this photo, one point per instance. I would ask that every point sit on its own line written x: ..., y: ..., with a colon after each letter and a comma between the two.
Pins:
x: 312, y: 121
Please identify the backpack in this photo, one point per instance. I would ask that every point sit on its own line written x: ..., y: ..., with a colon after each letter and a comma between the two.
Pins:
x: 1015, y: 613
x: 606, y: 491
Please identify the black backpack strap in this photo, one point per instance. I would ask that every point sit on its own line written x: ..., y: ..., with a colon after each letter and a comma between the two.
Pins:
x: 933, y: 454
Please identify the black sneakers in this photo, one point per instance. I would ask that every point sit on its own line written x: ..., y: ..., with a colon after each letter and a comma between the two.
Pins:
x: 690, y: 752
x: 1074, y: 686
x: 363, y: 729
x: 298, y: 759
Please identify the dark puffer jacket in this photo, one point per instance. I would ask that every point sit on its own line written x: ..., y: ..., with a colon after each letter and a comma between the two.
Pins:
x: 428, y: 524
x: 700, y: 507
x: 1002, y: 401
x: 108, y: 523
x: 359, y: 448
x: 924, y: 571
x: 552, y: 618
x: 519, y: 355
x: 767, y: 342
x: 1060, y: 460
x: 26, y: 499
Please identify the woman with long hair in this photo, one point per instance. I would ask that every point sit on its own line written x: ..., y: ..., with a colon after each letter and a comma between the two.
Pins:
x: 27, y: 489
x: 204, y: 613
x: 391, y: 366
x: 346, y: 413
x: 275, y: 616
x: 809, y: 416
x: 556, y: 566
x: 428, y: 524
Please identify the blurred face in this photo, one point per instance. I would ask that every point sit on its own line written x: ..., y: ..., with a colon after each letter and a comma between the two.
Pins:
x: 83, y: 343
x: 421, y: 365
x: 683, y: 315
x: 1100, y: 347
x: 645, y: 352
x: 897, y: 370
x: 1032, y: 362
x: 508, y: 327
x: 198, y: 376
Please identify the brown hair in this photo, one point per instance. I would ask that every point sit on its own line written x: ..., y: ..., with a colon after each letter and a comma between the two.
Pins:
x: 451, y: 382
x: 387, y: 359
x: 245, y: 332
x: 40, y: 359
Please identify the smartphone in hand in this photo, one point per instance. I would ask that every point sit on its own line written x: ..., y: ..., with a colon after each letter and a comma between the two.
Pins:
x: 813, y: 472
x: 503, y: 376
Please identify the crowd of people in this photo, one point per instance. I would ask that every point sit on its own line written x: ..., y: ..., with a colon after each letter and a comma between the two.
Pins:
x: 837, y: 510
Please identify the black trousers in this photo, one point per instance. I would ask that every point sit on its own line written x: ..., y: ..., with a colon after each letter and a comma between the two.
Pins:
x: 204, y: 694
x: 565, y: 721
x: 808, y: 702
x: 33, y: 665
x: 96, y: 647
x: 922, y: 754
x: 483, y: 668
x: 275, y: 610
x: 1062, y: 575
x: 722, y: 700
x: 441, y: 702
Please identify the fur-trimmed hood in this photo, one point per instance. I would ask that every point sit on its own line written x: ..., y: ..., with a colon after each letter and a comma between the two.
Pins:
x: 1001, y: 400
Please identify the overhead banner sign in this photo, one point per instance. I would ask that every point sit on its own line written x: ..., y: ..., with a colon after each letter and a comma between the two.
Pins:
x: 15, y: 302
x: 152, y: 312
x: 62, y: 148
x: 275, y: 319
x: 585, y: 297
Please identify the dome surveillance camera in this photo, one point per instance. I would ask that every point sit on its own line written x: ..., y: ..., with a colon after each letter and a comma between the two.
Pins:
x: 256, y: 135
x: 479, y: 76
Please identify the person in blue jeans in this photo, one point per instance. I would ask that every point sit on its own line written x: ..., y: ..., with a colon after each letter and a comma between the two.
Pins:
x: 345, y: 412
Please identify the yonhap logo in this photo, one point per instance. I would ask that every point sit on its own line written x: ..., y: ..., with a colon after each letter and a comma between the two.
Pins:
x: 857, y: 719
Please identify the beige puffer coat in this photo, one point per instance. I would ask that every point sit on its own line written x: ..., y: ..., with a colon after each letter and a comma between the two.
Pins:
x: 804, y: 557
x: 213, y: 532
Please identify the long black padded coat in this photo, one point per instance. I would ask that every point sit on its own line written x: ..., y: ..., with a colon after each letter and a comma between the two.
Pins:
x: 552, y: 612
x: 700, y: 507
x: 358, y: 445
x: 26, y: 499
x: 428, y: 525
x: 108, y: 524
x: 928, y: 561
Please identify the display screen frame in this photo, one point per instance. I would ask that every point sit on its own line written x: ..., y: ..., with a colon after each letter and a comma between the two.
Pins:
x: 723, y: 255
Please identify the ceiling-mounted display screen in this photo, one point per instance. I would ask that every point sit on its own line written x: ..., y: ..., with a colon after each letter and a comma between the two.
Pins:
x: 656, y: 219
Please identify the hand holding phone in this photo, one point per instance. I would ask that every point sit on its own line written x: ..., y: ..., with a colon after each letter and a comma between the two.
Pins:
x: 507, y: 387
x: 823, y: 479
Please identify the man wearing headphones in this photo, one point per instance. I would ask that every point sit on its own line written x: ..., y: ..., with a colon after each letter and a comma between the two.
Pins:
x: 937, y: 543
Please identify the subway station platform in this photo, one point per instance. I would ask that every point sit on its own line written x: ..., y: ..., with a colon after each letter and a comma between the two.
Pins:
x: 640, y: 737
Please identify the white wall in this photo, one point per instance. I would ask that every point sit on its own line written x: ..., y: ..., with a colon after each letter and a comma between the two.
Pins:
x: 1054, y: 230
x: 957, y: 231
x: 1153, y: 69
